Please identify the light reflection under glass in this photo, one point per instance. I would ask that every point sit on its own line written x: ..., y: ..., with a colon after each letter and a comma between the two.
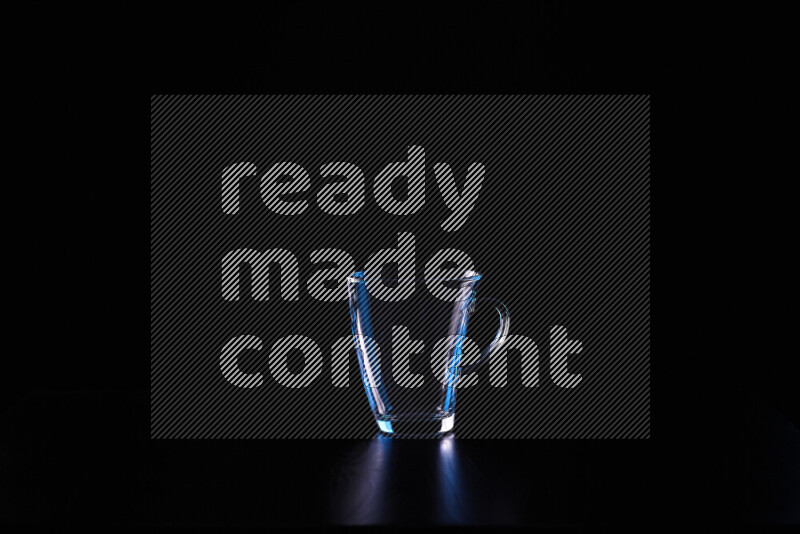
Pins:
x: 400, y: 480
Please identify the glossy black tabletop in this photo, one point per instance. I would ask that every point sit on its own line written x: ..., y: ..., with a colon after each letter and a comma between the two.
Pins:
x: 86, y: 458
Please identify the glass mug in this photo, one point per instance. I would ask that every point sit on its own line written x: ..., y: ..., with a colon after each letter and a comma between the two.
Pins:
x: 410, y: 393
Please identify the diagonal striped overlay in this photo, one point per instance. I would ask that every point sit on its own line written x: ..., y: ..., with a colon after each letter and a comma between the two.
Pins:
x: 560, y: 228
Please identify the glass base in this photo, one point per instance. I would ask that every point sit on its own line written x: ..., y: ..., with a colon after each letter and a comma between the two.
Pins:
x: 416, y: 427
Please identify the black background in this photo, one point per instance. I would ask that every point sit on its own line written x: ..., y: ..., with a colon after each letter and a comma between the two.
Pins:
x: 721, y: 448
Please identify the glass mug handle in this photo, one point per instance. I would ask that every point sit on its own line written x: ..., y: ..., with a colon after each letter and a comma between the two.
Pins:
x: 499, y: 338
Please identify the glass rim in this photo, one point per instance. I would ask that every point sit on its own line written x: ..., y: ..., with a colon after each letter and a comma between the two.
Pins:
x: 468, y: 276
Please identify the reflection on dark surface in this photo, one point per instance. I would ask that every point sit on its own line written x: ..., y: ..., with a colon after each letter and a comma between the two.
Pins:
x: 454, y: 501
x: 394, y: 480
x: 741, y: 466
x: 360, y: 491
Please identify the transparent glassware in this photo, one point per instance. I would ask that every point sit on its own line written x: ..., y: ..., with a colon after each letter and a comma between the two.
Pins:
x: 409, y: 335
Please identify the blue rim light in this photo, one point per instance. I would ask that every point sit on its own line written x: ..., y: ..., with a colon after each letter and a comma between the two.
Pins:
x: 385, y: 426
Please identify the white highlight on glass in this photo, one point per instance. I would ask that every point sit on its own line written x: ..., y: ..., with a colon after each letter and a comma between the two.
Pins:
x: 447, y: 423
